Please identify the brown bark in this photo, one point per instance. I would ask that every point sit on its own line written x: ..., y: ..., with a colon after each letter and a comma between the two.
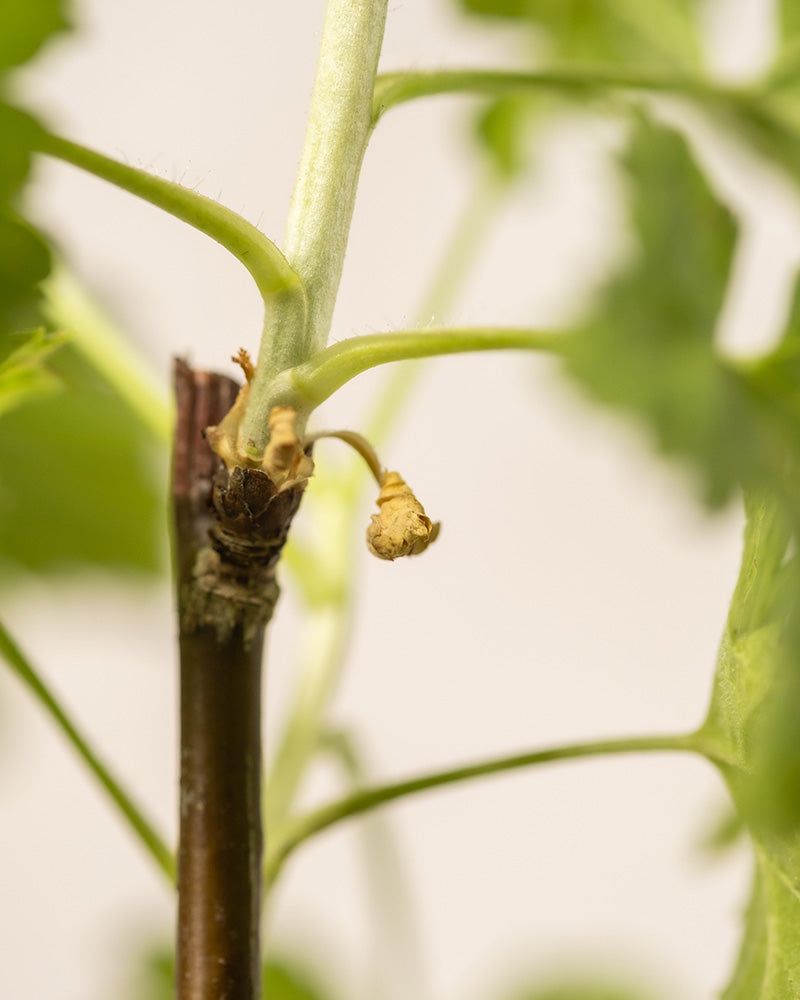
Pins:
x: 229, y: 529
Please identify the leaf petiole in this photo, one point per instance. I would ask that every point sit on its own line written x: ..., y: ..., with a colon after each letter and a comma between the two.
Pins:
x: 306, y: 386
x: 286, y: 841
x: 392, y: 89
x: 131, y: 813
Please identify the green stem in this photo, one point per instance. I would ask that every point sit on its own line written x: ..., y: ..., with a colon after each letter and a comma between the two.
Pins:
x: 266, y: 264
x: 310, y: 384
x: 392, y: 89
x: 136, y: 820
x: 286, y: 841
x: 339, y: 126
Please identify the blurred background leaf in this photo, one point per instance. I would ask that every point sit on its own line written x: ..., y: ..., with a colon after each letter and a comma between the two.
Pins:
x: 81, y: 476
x: 283, y: 978
x: 630, y: 31
x: 646, y: 345
x: 583, y: 986
x: 651, y: 35
x: 27, y: 25
x: 81, y: 480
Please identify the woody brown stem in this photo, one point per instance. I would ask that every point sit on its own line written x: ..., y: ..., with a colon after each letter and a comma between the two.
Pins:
x: 229, y: 530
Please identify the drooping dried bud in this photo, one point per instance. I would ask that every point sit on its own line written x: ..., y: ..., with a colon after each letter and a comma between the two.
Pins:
x: 402, y: 528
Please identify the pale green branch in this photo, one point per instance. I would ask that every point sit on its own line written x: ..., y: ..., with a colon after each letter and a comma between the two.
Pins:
x: 284, y: 842
x: 339, y: 126
x: 267, y: 265
x: 130, y: 812
x: 310, y: 384
x: 338, y: 129
x: 392, y: 89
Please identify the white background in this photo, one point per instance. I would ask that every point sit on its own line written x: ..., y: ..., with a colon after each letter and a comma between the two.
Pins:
x: 576, y: 590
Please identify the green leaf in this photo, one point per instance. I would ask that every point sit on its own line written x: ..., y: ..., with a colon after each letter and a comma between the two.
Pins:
x: 647, y: 345
x: 22, y: 373
x: 631, y: 31
x: 25, y: 25
x: 282, y: 979
x: 287, y: 980
x: 789, y: 20
x: 25, y: 259
x: 769, y: 958
x: 752, y: 723
x: 587, y: 987
x: 504, y: 131
x: 82, y: 479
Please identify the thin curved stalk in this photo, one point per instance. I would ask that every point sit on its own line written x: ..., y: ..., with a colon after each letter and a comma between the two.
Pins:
x: 310, y: 384
x: 131, y: 813
x: 283, y: 292
x: 266, y: 264
x: 304, y: 827
x: 325, y: 575
x: 392, y: 89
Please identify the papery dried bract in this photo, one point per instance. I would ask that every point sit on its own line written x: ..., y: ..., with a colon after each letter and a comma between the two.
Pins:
x: 401, y: 528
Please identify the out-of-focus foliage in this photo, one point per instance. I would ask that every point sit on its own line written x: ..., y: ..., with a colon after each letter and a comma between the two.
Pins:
x: 656, y: 34
x: 282, y: 978
x: 24, y: 254
x: 80, y: 477
x: 23, y: 373
x: 27, y: 25
x: 652, y: 33
x: 572, y: 987
x: 647, y: 345
x: 752, y: 725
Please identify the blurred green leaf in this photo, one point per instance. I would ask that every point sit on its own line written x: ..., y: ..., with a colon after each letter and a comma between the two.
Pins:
x: 789, y: 20
x: 770, y: 952
x: 647, y: 345
x: 287, y: 980
x: 81, y: 479
x: 23, y: 374
x: 630, y: 31
x: 504, y: 130
x: 752, y: 724
x: 25, y: 25
x: 582, y: 987
x: 282, y: 978
x: 25, y: 258
x: 647, y: 35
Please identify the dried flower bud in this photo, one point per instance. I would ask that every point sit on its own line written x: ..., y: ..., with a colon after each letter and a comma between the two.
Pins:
x: 402, y: 528
x: 242, y: 359
x: 284, y: 458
